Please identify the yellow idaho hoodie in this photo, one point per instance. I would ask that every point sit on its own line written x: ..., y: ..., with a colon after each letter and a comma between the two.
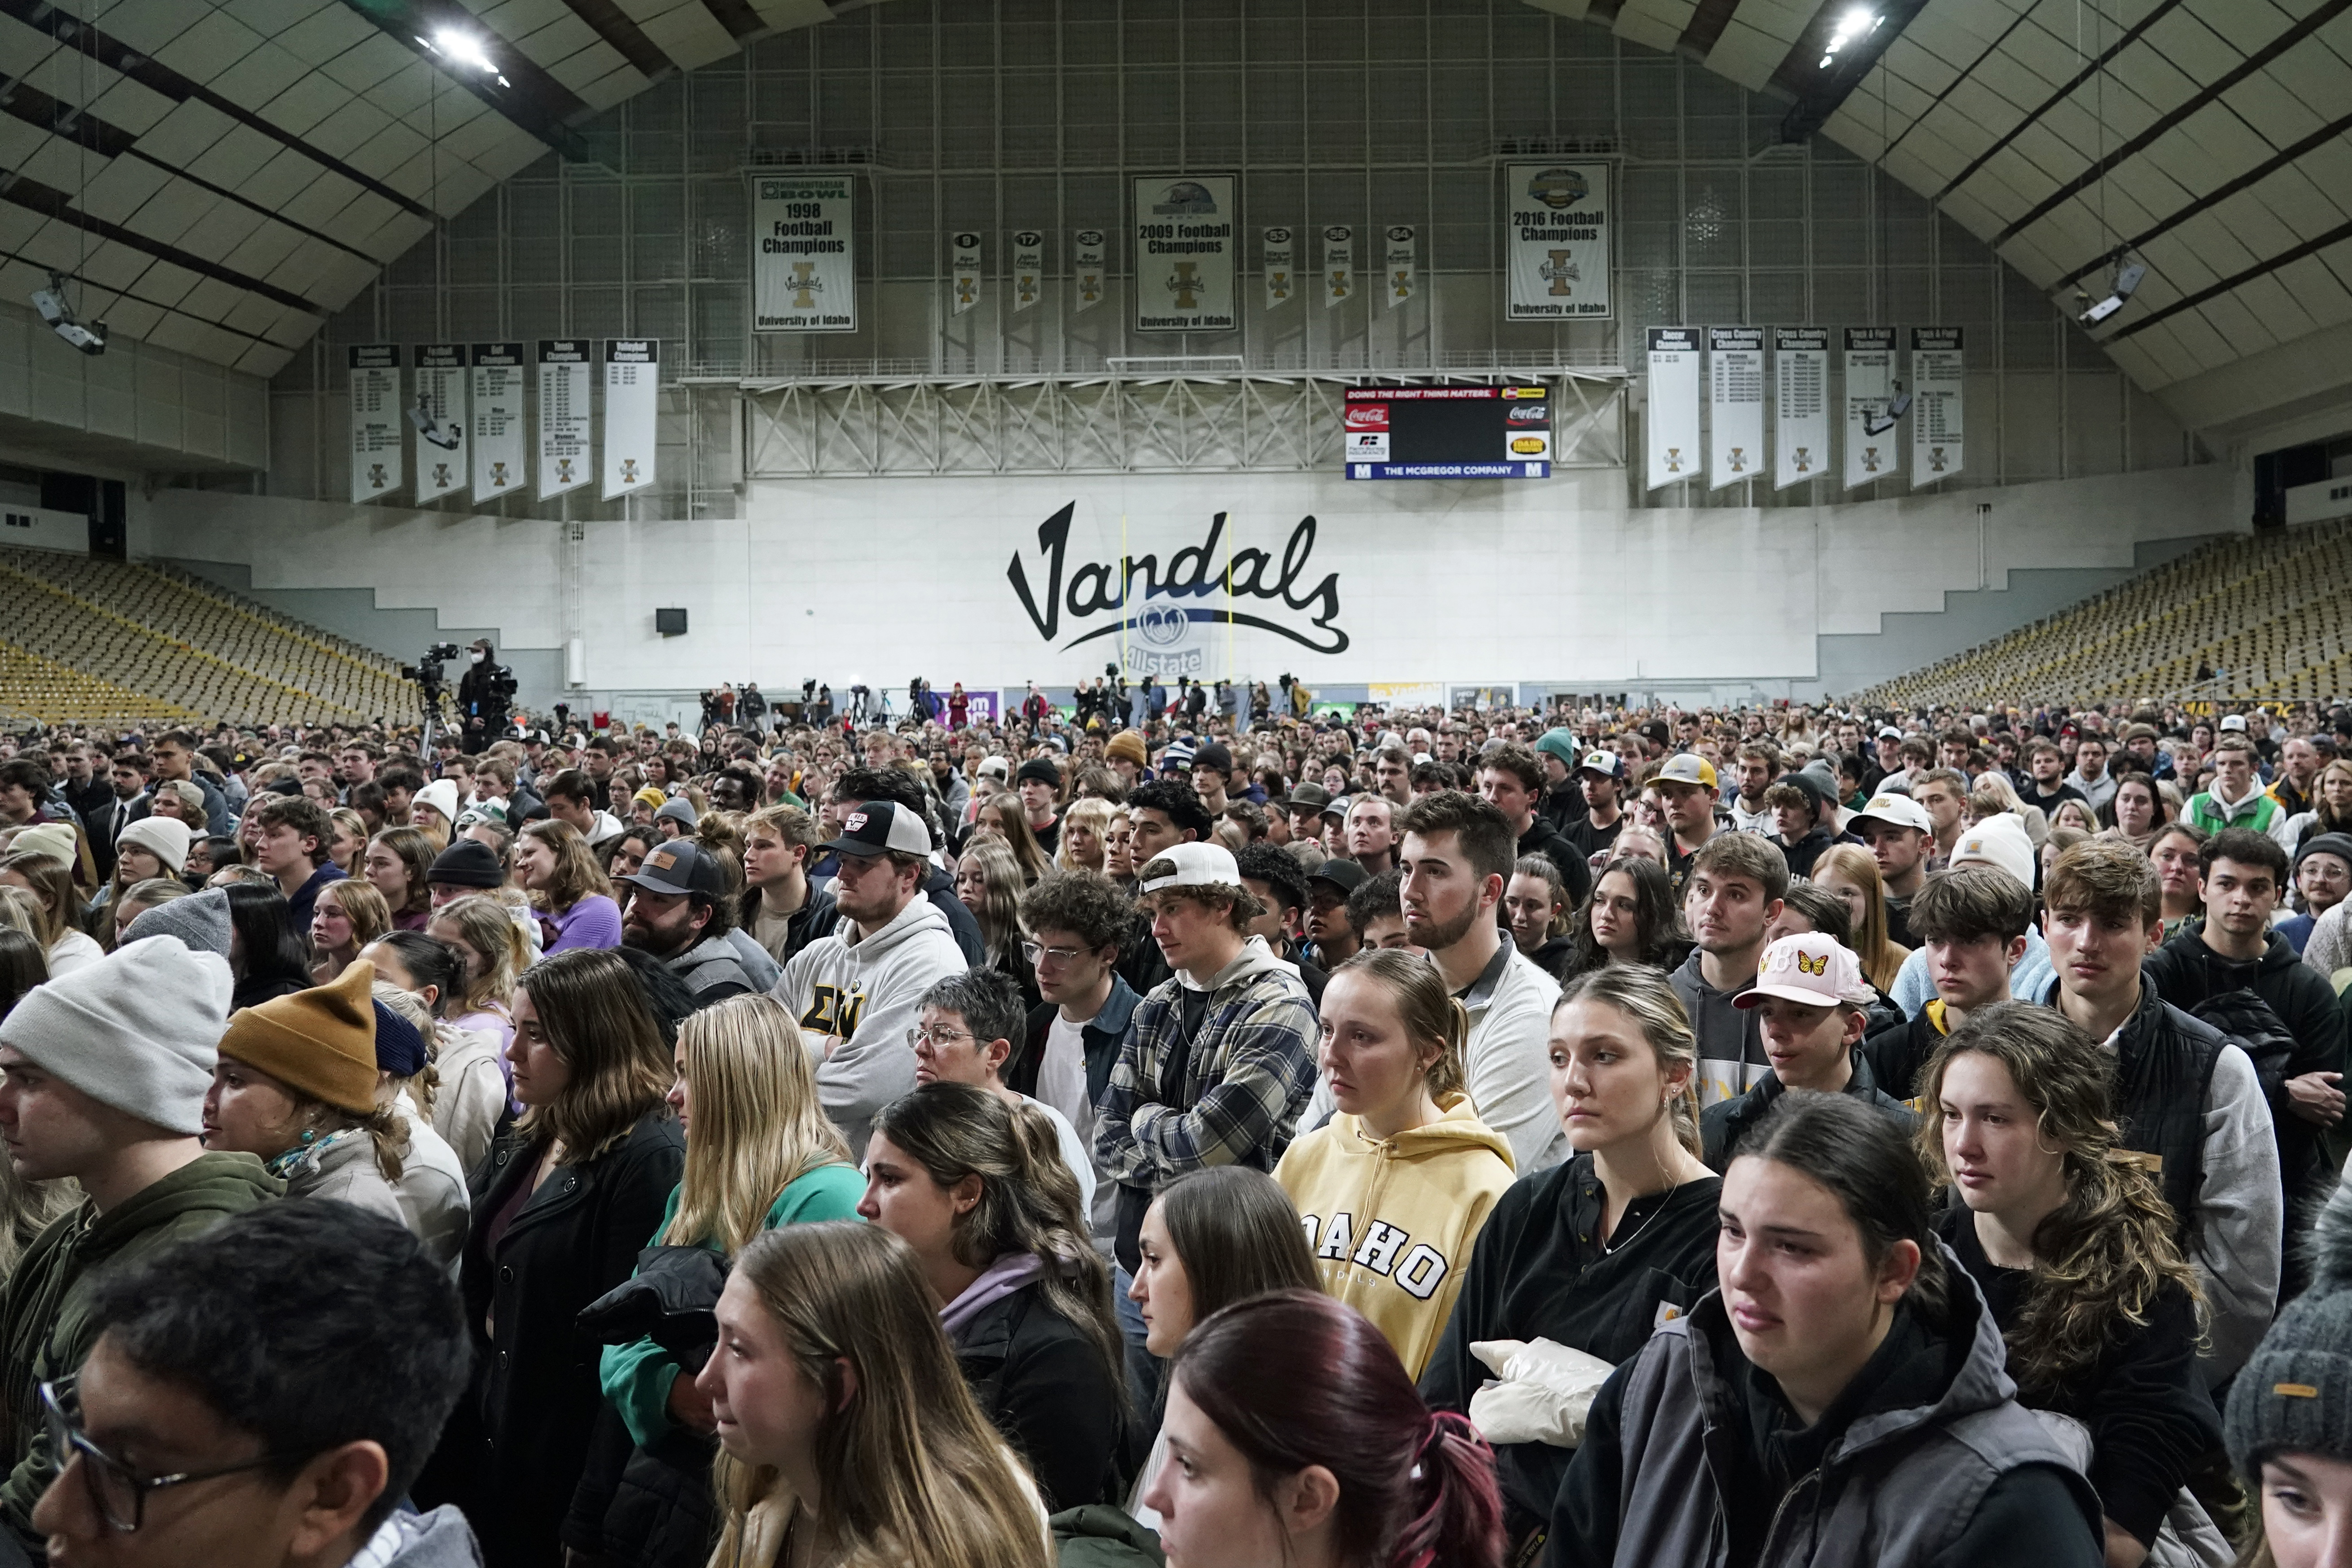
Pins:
x: 1391, y: 1221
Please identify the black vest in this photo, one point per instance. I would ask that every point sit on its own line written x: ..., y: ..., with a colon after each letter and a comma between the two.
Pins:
x: 2164, y: 1064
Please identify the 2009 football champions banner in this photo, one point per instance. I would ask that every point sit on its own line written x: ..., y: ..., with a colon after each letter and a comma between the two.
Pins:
x: 1185, y: 254
x: 1557, y: 240
x: 804, y: 254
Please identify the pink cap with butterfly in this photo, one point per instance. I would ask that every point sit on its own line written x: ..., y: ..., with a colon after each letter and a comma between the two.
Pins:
x: 1810, y: 969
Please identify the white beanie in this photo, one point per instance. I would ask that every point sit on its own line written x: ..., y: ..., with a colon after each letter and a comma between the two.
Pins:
x: 166, y: 838
x: 441, y: 795
x: 1998, y: 841
x: 139, y: 1030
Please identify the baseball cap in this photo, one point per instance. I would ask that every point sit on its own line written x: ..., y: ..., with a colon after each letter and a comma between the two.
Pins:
x: 1998, y: 841
x: 1192, y: 866
x: 1896, y: 811
x: 1339, y: 871
x: 1889, y: 732
x: 879, y: 826
x: 995, y: 768
x: 1607, y: 764
x: 1687, y: 768
x: 677, y: 867
x: 2234, y: 721
x: 1307, y: 796
x: 1810, y: 969
x: 1338, y: 808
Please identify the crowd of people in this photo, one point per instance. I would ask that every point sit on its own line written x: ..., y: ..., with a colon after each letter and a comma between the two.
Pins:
x: 1191, y: 1128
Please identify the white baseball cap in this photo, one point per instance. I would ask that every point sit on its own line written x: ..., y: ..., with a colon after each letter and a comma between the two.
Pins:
x: 1812, y: 968
x: 2234, y: 721
x: 1998, y: 841
x: 1192, y: 866
x: 1896, y: 811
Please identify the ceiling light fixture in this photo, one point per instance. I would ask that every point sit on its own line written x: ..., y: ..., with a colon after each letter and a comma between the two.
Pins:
x: 2124, y: 277
x: 1853, y: 27
x: 460, y: 48
x: 88, y: 337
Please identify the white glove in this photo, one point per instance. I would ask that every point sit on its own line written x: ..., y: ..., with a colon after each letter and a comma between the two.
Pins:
x: 1543, y: 1394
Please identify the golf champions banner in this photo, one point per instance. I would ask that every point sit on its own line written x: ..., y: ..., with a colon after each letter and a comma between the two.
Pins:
x: 1556, y: 241
x: 804, y: 254
x: 1870, y: 440
x: 1281, y: 267
x: 441, y: 436
x: 497, y: 420
x: 1186, y: 254
x: 1938, y: 395
x: 1028, y: 268
x: 632, y: 395
x: 376, y: 468
x: 1672, y: 424
x: 1338, y: 264
x: 564, y: 402
x: 1735, y: 380
x: 1398, y: 262
x: 964, y: 269
x: 1088, y: 252
x: 1800, y: 404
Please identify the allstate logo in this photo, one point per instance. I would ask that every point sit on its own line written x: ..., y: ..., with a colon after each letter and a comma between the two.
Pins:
x: 1161, y: 625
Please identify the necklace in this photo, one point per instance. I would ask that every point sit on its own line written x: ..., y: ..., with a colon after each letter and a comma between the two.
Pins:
x: 1614, y: 1241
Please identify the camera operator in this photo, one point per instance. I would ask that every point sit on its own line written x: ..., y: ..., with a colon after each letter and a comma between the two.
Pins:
x: 485, y: 693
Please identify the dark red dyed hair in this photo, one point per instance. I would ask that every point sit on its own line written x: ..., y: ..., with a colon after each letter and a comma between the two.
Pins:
x: 1295, y: 1378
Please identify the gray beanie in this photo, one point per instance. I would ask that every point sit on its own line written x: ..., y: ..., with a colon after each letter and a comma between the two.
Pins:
x: 200, y: 920
x: 139, y: 1030
x: 681, y: 809
x: 2295, y: 1394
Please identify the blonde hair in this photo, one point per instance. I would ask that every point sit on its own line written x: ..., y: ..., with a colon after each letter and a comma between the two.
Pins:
x: 362, y: 905
x: 758, y: 1126
x: 1647, y: 997
x: 1093, y: 814
x: 1881, y: 960
x: 1429, y: 1012
x: 999, y: 915
x: 154, y: 890
x: 489, y: 931
x: 50, y: 891
x: 425, y: 1087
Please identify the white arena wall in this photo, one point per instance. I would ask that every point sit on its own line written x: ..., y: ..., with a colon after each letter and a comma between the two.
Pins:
x: 1553, y: 583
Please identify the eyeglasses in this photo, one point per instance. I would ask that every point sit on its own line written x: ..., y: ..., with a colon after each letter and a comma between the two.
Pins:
x: 920, y: 1037
x: 118, y: 1492
x: 1037, y: 952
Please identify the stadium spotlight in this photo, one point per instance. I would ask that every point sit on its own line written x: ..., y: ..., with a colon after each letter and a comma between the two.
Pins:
x: 1856, y: 24
x: 463, y: 48
x: 2124, y: 278
x: 88, y: 337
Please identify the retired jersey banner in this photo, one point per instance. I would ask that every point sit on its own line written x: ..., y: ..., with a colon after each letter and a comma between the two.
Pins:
x: 1735, y: 397
x: 1088, y: 253
x: 1671, y: 423
x: 1028, y: 268
x: 500, y: 464
x: 376, y: 420
x: 1557, y: 242
x: 564, y: 402
x: 804, y: 253
x: 1398, y: 260
x: 441, y: 436
x: 963, y: 268
x: 1281, y: 267
x: 1939, y: 398
x: 1800, y: 404
x: 1338, y: 264
x: 1870, y: 450
x: 632, y: 396
x: 1186, y: 254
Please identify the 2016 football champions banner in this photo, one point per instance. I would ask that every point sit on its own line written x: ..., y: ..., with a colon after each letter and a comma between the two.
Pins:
x: 1557, y: 218
x: 804, y: 254
x: 1186, y: 254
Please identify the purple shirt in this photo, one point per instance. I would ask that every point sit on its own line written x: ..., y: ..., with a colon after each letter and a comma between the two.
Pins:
x: 594, y: 921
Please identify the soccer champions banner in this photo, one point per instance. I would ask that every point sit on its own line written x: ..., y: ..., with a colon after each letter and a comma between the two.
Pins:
x: 497, y: 423
x: 377, y: 467
x: 1338, y: 264
x: 632, y: 391
x: 1938, y: 423
x: 1281, y: 267
x: 1028, y: 268
x: 1089, y: 250
x: 1557, y: 243
x: 441, y: 398
x: 1800, y: 404
x: 1734, y: 365
x: 1185, y: 254
x: 1399, y: 259
x: 963, y: 268
x: 1673, y: 421
x: 562, y: 414
x: 804, y: 254
x: 1870, y: 442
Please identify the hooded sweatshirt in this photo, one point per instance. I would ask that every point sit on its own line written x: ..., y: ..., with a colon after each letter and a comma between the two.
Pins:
x: 1391, y: 1221
x: 856, y: 995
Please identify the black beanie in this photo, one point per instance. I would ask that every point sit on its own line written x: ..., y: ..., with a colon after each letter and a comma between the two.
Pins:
x: 468, y: 863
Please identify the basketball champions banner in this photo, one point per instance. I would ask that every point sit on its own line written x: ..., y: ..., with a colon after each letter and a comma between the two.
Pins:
x: 498, y: 425
x: 804, y: 254
x: 1186, y: 247
x: 1938, y: 424
x: 376, y: 419
x: 1800, y: 404
x: 1671, y: 423
x: 1281, y: 267
x: 563, y: 399
x: 1556, y: 241
x: 1088, y: 253
x: 441, y: 398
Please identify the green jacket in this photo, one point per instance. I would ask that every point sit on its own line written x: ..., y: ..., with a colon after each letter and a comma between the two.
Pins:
x: 45, y: 1308
x: 1102, y: 1536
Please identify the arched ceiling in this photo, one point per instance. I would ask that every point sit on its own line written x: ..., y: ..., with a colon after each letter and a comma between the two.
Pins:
x: 242, y: 168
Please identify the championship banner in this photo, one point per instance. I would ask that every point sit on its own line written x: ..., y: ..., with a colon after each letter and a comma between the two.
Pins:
x: 1671, y: 423
x: 1087, y: 248
x: 441, y: 436
x: 631, y: 394
x: 1281, y: 267
x: 499, y: 421
x: 963, y: 268
x: 1938, y: 422
x: 1557, y: 242
x: 1400, y: 257
x: 1870, y: 450
x: 1185, y: 254
x: 1800, y: 404
x: 1338, y: 264
x: 1734, y: 380
x: 377, y: 467
x: 1028, y: 268
x: 564, y: 458
x: 804, y: 253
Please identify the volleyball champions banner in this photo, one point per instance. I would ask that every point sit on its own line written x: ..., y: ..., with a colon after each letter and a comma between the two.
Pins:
x: 632, y: 399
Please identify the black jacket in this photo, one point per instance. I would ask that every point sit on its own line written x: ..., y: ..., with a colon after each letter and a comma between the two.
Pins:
x: 939, y: 888
x: 1048, y: 1391
x: 514, y: 1452
x: 1726, y: 1123
x: 1897, y: 1053
x: 1102, y: 1034
x: 1539, y: 840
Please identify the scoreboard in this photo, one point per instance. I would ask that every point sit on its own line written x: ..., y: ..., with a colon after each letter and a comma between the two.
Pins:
x: 1438, y: 432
